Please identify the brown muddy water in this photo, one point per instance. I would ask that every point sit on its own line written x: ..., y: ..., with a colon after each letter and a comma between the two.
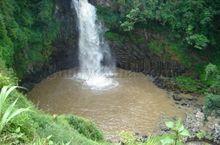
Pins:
x: 136, y: 104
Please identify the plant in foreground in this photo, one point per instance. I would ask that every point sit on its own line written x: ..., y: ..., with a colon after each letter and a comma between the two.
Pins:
x: 47, y: 141
x: 129, y: 138
x: 10, y: 112
x: 178, y: 132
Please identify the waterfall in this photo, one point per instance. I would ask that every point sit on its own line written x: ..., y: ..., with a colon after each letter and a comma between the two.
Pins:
x: 95, y: 60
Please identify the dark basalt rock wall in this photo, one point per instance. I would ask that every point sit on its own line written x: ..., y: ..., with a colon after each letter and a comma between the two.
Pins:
x: 65, y: 53
x: 139, y: 58
x: 65, y: 47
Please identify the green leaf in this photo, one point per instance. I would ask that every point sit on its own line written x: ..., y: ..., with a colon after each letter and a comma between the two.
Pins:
x: 185, y: 133
x: 6, y: 90
x: 181, y: 128
x: 18, y: 130
x: 17, y: 112
x: 4, y: 119
x: 201, y: 134
x: 170, y: 124
x: 10, y: 111
x: 179, y: 125
x: 167, y: 141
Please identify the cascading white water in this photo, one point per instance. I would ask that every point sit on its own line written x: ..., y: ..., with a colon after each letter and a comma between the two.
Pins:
x: 94, y: 55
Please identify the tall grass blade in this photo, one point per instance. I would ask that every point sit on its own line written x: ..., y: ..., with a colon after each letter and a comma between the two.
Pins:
x: 5, y: 91
x: 11, y: 111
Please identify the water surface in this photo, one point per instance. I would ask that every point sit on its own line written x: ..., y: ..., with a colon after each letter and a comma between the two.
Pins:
x: 136, y: 104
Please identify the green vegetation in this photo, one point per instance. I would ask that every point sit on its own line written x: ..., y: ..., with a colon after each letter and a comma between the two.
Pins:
x: 194, y: 22
x: 178, y: 132
x: 188, y: 33
x: 10, y: 112
x: 191, y: 19
x: 212, y: 99
x: 169, y: 50
x: 212, y: 103
x: 85, y: 127
x: 27, y: 30
x: 188, y: 84
x: 183, y: 31
x: 174, y: 137
x: 33, y: 127
x: 30, y: 126
x: 129, y: 138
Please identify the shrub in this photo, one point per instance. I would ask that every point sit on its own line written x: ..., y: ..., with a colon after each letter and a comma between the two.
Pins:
x: 170, y: 50
x: 58, y: 132
x: 211, y: 71
x: 212, y: 103
x: 27, y: 30
x: 108, y: 16
x: 188, y: 84
x: 212, y: 77
x: 190, y: 19
x: 7, y: 76
x: 129, y: 138
x: 178, y: 132
x: 212, y: 98
x: 198, y: 41
x: 4, y: 80
x: 85, y: 127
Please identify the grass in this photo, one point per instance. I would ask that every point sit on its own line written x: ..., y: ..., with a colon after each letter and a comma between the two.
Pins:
x: 22, y: 123
x: 169, y: 50
x: 112, y: 36
x: 129, y: 138
x: 31, y: 126
x: 190, y: 85
x: 84, y: 127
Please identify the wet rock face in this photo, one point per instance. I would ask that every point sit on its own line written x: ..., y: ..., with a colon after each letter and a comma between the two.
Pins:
x: 140, y: 60
x: 65, y: 54
x: 65, y: 47
x: 130, y: 56
x: 136, y: 56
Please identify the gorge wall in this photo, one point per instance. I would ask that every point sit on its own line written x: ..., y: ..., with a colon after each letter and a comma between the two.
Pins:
x: 65, y: 54
x: 132, y: 51
x: 130, y: 54
x: 65, y: 47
